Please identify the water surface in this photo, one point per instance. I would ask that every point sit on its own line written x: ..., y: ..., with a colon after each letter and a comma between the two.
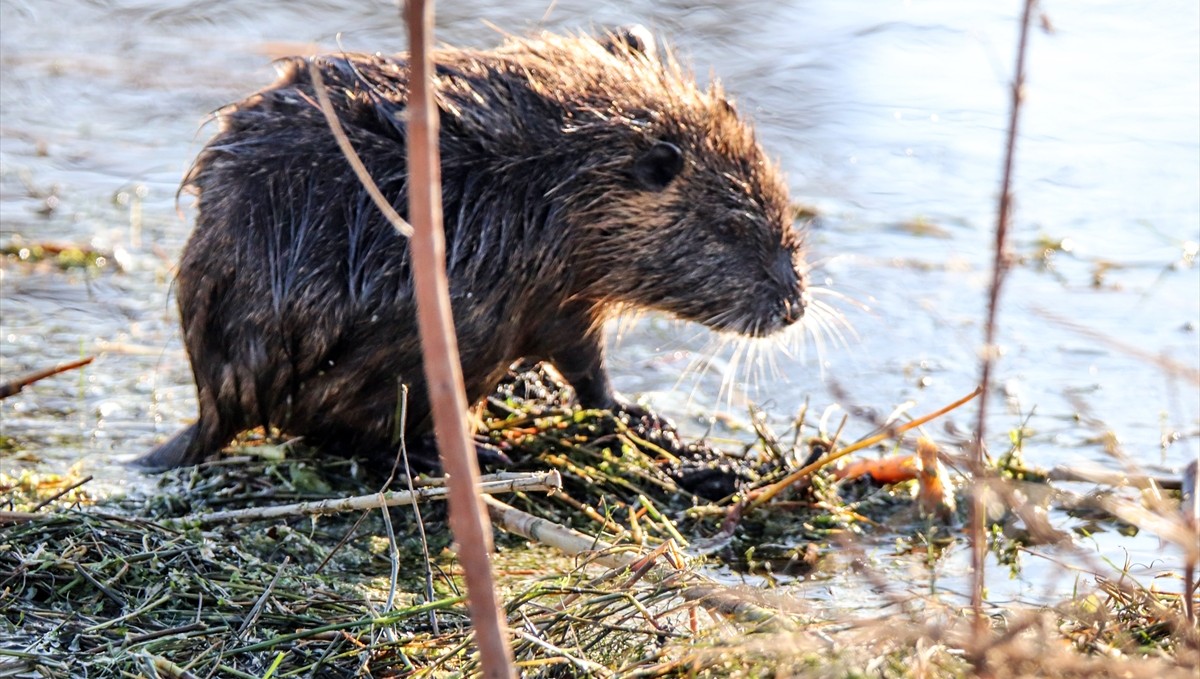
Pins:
x: 888, y: 118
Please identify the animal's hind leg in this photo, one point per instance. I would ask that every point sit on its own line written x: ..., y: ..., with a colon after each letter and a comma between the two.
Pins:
x: 192, y: 445
x: 180, y: 450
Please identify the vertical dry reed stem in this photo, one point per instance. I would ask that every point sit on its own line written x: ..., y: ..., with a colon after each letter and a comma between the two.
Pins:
x: 443, y: 372
x: 999, y: 269
x: 1190, y: 501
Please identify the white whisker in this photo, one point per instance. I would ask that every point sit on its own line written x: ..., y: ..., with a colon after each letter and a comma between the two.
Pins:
x: 754, y: 374
x: 819, y: 348
x: 729, y: 383
x: 834, y: 322
x: 772, y: 360
x: 740, y: 364
x: 821, y: 329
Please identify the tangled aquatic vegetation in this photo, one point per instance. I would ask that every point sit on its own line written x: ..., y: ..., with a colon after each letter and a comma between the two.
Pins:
x: 136, y: 586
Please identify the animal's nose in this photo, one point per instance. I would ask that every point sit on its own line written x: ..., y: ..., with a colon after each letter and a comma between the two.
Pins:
x: 793, y: 309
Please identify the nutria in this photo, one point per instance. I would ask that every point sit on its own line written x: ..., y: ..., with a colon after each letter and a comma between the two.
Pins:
x: 581, y: 176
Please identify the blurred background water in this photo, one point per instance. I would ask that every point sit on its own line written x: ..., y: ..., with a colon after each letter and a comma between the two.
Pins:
x: 888, y: 117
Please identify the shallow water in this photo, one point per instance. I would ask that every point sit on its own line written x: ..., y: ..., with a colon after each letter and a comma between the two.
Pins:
x: 888, y: 117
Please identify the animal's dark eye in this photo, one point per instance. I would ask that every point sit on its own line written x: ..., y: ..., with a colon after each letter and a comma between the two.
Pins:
x: 655, y: 168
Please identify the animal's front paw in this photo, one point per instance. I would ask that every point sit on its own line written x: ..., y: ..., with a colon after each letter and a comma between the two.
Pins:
x: 423, y: 454
x: 639, y: 417
x: 651, y: 427
x: 490, y: 456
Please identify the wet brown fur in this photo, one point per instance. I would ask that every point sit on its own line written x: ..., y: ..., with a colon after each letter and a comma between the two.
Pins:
x: 296, y: 295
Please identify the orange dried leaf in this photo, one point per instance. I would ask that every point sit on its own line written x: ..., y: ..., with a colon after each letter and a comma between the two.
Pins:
x: 888, y: 470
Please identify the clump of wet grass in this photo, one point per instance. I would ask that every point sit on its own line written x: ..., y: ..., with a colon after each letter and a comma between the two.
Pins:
x: 129, y: 586
x: 105, y: 590
x: 101, y: 594
x: 634, y: 478
x: 1125, y: 618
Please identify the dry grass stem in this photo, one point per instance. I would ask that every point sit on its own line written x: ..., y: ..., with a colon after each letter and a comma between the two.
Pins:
x: 546, y: 481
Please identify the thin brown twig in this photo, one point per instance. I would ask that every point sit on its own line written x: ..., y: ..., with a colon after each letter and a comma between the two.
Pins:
x: 62, y: 492
x: 1162, y: 361
x: 1103, y: 477
x: 439, y: 348
x: 15, y: 386
x: 1000, y: 265
x: 343, y: 142
x: 764, y: 495
x: 402, y: 457
x: 1190, y: 508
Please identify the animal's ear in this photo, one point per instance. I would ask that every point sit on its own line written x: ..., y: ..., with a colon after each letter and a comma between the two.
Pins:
x: 656, y: 168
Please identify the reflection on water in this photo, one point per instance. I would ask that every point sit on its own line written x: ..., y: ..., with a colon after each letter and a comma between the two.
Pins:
x: 887, y: 117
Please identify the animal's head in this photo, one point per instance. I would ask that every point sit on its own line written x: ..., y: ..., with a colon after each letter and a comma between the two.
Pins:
x: 676, y: 206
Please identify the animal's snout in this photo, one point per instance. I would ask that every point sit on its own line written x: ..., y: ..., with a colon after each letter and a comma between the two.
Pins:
x: 793, y: 309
